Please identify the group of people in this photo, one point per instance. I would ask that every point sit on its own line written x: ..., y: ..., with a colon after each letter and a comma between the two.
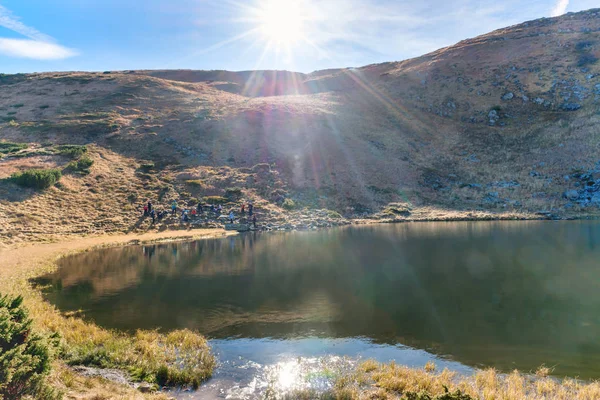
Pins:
x: 150, y: 211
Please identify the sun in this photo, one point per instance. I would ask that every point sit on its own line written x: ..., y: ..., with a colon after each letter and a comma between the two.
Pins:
x: 281, y: 21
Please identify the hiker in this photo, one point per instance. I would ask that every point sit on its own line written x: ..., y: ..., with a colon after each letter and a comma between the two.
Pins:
x: 193, y: 213
x: 243, y: 210
x: 184, y: 216
x: 250, y: 209
x: 149, y: 206
x: 200, y: 210
x: 153, y: 215
x: 160, y: 215
x: 254, y: 221
x: 145, y: 210
x: 174, y: 207
x: 231, y: 216
x: 212, y: 208
x: 219, y: 209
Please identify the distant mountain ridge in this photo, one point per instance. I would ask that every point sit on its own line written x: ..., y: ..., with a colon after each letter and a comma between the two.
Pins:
x: 507, y: 121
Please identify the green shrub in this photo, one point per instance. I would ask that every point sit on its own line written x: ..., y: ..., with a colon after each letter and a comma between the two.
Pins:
x: 82, y: 165
x: 194, y: 183
x: 37, y: 178
x: 147, y: 166
x: 9, y: 147
x: 25, y: 356
x: 233, y: 192
x: 289, y: 204
x: 215, y: 200
x: 333, y: 214
x: 72, y: 150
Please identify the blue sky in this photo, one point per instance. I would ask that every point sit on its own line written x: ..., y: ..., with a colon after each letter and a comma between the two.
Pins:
x: 299, y: 35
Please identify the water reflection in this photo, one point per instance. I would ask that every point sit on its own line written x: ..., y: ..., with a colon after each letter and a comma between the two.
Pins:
x: 495, y: 294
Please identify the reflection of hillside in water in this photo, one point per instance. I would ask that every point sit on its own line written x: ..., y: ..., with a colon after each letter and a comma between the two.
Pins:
x: 480, y: 292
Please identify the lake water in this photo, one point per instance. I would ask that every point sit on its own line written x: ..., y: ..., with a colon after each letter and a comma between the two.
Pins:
x: 463, y: 294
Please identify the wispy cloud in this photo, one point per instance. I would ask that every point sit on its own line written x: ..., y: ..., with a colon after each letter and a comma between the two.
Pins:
x: 38, y: 45
x: 35, y: 49
x: 560, y: 8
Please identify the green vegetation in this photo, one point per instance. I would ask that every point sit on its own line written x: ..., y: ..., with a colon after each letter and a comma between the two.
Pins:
x: 586, y: 55
x: 197, y: 183
x: 9, y: 147
x: 82, y: 165
x: 215, y: 200
x: 25, y: 356
x: 37, y: 178
x: 180, y: 358
x: 333, y: 214
x: 71, y: 150
x: 147, y: 167
x: 233, y: 192
x: 289, y: 204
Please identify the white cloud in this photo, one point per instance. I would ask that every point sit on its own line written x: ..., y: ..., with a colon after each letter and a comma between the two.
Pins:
x: 39, y: 46
x: 560, y: 8
x: 27, y: 48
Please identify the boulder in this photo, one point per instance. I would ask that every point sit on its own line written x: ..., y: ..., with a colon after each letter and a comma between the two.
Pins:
x: 570, y: 106
x: 237, y: 227
x: 571, y: 194
x: 508, y: 96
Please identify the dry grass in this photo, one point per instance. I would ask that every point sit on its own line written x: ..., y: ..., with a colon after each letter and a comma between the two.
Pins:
x: 373, y: 380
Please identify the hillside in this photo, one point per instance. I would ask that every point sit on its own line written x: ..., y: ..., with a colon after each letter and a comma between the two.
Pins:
x: 503, y: 123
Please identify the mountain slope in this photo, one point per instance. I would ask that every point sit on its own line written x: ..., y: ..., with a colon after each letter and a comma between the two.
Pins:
x: 504, y: 121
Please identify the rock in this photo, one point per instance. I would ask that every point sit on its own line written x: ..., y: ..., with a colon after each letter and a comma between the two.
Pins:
x: 505, y: 185
x: 538, y: 100
x: 493, y: 117
x: 237, y: 227
x: 525, y: 99
x: 570, y: 106
x: 146, y: 387
x: 571, y: 194
x: 508, y: 96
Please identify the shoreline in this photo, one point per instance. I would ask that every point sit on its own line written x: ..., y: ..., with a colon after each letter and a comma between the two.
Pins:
x: 24, y: 261
x: 141, y: 351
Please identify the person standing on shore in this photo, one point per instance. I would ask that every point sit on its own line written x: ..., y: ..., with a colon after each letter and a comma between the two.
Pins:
x: 250, y: 209
x: 254, y: 221
x: 174, y: 207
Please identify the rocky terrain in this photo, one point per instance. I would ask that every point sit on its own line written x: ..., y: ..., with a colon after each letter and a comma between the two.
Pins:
x: 504, y: 125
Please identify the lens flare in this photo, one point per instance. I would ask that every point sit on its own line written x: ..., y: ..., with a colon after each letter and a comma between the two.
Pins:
x: 281, y: 21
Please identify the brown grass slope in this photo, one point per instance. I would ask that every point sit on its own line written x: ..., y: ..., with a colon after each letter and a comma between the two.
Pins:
x: 507, y: 121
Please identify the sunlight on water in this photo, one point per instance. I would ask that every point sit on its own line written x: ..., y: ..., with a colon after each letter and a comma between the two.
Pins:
x: 287, y: 376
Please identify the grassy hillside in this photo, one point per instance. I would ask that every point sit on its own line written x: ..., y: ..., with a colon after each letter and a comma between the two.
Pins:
x: 505, y: 122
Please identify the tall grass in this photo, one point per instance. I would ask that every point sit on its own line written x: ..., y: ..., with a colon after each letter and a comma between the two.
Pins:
x: 391, y: 381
